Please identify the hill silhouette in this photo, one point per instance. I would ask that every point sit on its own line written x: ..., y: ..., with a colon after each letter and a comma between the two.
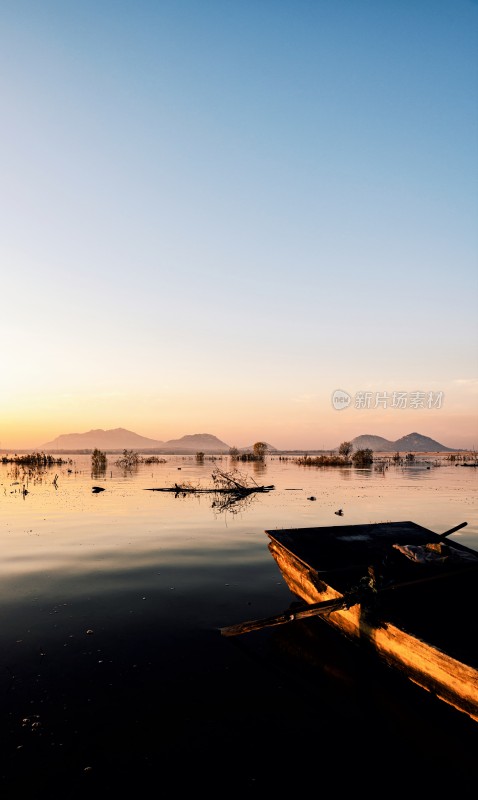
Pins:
x: 411, y: 443
x: 122, y: 439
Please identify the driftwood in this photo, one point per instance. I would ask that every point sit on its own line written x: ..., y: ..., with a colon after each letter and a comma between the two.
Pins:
x: 184, y: 489
x: 231, y: 492
x: 224, y: 483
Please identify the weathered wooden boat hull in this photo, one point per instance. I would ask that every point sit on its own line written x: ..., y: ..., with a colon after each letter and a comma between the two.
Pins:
x: 422, y: 623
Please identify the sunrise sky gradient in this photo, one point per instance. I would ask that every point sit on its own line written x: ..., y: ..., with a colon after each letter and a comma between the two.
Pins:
x: 214, y: 214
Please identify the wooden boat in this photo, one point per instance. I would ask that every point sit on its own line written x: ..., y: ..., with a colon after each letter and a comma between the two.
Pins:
x: 396, y: 588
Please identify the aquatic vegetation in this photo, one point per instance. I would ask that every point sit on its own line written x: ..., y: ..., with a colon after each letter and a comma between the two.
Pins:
x: 363, y: 458
x: 258, y: 453
x: 345, y: 449
x: 99, y: 461
x: 35, y: 460
x: 129, y: 459
x: 323, y: 461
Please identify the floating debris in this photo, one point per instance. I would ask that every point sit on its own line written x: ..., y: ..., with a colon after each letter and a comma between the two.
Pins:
x: 231, y: 490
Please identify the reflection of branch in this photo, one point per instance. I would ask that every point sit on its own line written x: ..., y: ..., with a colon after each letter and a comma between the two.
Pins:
x: 223, y: 501
x: 234, y: 503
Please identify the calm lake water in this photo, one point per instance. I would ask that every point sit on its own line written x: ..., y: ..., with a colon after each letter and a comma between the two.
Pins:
x: 114, y: 674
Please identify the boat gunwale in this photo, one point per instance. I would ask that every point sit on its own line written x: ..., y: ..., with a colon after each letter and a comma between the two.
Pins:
x: 423, y: 661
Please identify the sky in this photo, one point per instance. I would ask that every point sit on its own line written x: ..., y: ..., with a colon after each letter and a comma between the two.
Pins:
x: 250, y: 218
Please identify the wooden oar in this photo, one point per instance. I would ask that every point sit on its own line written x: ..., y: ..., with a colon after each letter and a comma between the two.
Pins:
x: 452, y: 530
x: 309, y: 610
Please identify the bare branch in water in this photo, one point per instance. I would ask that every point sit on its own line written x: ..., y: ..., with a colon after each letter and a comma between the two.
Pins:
x: 232, y: 491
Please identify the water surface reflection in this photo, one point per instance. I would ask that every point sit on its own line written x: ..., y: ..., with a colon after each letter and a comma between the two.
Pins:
x: 111, y: 605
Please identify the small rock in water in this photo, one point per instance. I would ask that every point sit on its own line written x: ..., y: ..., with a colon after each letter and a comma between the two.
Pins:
x: 97, y: 489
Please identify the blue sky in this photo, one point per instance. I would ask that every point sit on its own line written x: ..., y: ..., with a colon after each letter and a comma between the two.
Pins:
x: 214, y: 214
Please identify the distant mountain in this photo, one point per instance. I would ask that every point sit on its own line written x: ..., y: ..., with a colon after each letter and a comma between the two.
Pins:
x: 115, y: 439
x: 415, y: 442
x: 122, y: 439
x: 194, y: 443
x: 375, y: 443
x: 412, y: 443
